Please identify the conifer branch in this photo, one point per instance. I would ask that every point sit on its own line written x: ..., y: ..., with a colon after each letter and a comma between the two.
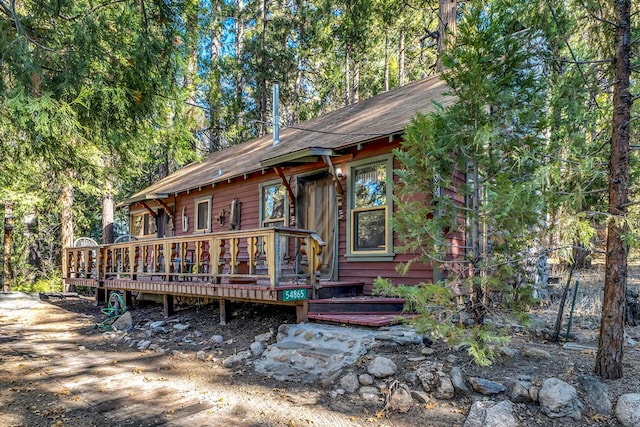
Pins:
x: 95, y: 9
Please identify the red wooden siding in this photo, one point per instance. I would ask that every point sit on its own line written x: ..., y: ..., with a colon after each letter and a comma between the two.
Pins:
x: 247, y: 190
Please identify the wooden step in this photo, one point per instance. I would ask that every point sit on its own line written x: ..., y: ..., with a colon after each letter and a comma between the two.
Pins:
x: 375, y: 320
x: 357, y: 305
x: 339, y: 289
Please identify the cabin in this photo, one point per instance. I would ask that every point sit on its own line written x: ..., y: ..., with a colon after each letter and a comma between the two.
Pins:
x: 300, y: 218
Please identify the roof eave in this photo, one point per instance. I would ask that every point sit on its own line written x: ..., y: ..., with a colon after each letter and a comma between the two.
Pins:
x: 307, y: 155
x: 142, y: 198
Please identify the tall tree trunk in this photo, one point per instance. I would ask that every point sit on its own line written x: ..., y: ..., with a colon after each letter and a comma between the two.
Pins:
x: 66, y: 224
x: 446, y: 28
x: 347, y: 77
x: 7, y: 271
x: 355, y: 89
x: 401, y: 56
x: 107, y: 212
x: 264, y: 69
x: 386, y: 62
x: 477, y: 294
x: 239, y: 85
x: 611, y: 342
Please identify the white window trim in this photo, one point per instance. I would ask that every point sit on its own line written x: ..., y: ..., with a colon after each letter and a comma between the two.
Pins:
x: 370, y: 255
x: 262, y: 186
x: 196, y: 202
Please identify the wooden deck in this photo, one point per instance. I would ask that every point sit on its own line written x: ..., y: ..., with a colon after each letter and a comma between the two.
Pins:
x: 269, y: 265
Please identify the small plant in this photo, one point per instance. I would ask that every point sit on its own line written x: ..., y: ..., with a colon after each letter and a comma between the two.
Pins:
x: 50, y: 284
x: 442, y: 314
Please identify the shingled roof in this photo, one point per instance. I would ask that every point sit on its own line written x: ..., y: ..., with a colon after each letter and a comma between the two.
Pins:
x: 376, y: 117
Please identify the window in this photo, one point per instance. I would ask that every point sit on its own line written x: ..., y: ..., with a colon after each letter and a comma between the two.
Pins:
x: 273, y: 205
x: 202, y: 211
x: 369, y: 199
x: 143, y: 225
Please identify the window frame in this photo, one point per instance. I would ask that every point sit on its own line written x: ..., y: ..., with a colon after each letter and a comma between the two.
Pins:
x: 196, y: 203
x: 386, y: 254
x: 264, y: 223
x: 146, y: 223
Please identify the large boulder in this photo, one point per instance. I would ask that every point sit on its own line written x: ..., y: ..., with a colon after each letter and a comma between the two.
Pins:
x: 435, y: 380
x: 597, y: 394
x: 628, y: 410
x: 382, y: 367
x: 491, y: 414
x: 559, y: 400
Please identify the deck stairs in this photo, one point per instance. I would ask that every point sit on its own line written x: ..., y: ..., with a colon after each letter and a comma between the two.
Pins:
x: 350, y: 303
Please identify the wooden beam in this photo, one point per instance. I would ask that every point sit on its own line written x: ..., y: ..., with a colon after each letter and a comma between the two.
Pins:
x: 224, y: 313
x: 332, y: 171
x: 167, y: 302
x: 302, y: 311
x: 128, y: 299
x: 167, y: 209
x: 280, y: 173
x: 151, y: 211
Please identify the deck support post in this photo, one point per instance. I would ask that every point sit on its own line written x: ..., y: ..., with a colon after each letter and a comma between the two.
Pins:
x: 128, y: 300
x: 100, y: 295
x: 301, y: 312
x: 224, y: 316
x: 167, y: 303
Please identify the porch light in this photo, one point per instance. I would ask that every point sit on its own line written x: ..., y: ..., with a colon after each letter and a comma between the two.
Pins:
x: 339, y: 172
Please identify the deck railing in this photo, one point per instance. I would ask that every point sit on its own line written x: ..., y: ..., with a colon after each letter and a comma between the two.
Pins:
x: 275, y: 256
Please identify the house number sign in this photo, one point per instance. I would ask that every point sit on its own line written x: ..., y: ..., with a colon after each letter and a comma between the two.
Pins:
x: 294, y: 294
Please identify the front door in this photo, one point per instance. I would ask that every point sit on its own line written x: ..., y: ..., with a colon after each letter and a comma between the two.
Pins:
x: 316, y: 210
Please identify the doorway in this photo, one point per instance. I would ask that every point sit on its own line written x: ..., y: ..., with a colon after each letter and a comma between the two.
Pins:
x: 316, y: 210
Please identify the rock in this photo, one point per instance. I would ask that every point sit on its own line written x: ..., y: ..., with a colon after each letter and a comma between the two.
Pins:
x: 382, y: 367
x: 486, y: 387
x: 435, y: 380
x: 628, y: 410
x: 201, y: 355
x: 427, y: 351
x: 401, y: 399
x: 534, y: 392
x: 143, y: 345
x: 154, y: 347
x: 369, y: 393
x: 411, y: 377
x: 264, y: 338
x: 518, y: 391
x: 559, y: 400
x: 236, y: 358
x: 123, y: 323
x: 157, y: 324
x: 491, y: 414
x: 181, y: 327
x: 458, y: 381
x: 420, y: 396
x: 537, y: 353
x: 452, y: 359
x: 177, y: 353
x: 508, y: 351
x: 257, y: 348
x: 283, y: 331
x: 217, y: 339
x: 597, y: 394
x: 340, y: 391
x: 365, y: 379
x: 350, y: 383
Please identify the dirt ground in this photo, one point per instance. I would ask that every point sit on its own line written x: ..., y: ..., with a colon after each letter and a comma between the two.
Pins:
x: 57, y: 369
